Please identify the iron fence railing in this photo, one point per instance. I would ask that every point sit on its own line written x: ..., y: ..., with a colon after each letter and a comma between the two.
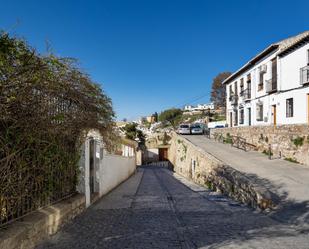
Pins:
x: 26, y: 188
x: 233, y: 99
x: 246, y: 94
x: 271, y: 85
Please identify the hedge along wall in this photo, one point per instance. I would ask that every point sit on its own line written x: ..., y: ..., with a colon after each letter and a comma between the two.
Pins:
x: 46, y: 102
x: 291, y: 141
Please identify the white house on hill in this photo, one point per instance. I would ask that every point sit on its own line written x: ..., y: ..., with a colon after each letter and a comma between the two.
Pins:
x: 200, y: 107
x: 273, y: 87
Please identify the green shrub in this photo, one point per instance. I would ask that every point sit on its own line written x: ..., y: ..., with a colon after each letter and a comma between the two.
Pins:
x: 266, y: 152
x: 292, y: 160
x: 298, y: 141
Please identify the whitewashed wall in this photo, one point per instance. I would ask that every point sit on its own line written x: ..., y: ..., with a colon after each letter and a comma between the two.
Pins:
x: 109, y: 170
x: 288, y: 73
x: 114, y: 170
x: 215, y: 123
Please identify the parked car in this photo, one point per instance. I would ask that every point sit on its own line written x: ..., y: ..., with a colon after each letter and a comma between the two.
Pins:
x: 197, y: 129
x: 184, y: 129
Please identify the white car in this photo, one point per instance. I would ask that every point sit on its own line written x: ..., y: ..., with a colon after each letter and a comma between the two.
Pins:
x: 197, y: 129
x: 184, y: 129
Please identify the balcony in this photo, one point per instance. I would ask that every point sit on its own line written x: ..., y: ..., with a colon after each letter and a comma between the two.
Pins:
x: 304, y: 75
x: 246, y: 94
x: 233, y: 99
x: 271, y: 85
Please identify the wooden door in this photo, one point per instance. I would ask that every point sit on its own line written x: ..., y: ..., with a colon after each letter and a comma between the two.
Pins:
x: 274, y: 114
x: 163, y: 154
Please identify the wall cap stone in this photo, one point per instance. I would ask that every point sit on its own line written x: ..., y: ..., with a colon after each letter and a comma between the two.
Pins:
x: 34, y: 227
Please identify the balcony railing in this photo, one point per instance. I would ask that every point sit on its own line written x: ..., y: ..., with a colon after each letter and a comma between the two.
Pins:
x: 247, y: 94
x: 233, y: 99
x: 304, y: 75
x: 271, y: 85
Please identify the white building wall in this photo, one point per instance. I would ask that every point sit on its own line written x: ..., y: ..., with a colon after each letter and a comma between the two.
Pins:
x: 288, y: 86
x: 109, y: 170
x: 114, y: 170
x: 290, y: 67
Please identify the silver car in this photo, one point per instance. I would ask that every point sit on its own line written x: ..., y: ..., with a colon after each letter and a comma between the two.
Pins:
x: 184, y: 129
x: 197, y: 129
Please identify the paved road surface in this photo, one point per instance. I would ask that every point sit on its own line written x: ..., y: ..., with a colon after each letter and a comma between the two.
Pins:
x: 156, y: 209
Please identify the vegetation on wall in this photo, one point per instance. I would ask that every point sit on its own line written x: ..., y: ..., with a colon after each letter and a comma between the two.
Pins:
x: 171, y: 117
x: 133, y: 133
x: 46, y: 104
x: 298, y: 141
x: 292, y: 160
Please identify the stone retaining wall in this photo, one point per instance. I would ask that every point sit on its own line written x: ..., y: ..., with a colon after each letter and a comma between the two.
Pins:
x: 27, y: 232
x: 192, y: 162
x: 289, y: 141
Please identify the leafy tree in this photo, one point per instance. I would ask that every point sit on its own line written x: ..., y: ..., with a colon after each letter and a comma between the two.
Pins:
x: 47, y: 104
x: 171, y: 116
x: 218, y: 92
x: 132, y: 132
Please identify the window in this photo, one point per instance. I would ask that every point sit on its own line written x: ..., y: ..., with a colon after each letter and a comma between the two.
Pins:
x: 249, y: 78
x: 259, y: 112
x: 308, y: 57
x: 289, y: 108
x: 235, y: 88
x: 231, y: 90
x: 242, y: 87
x: 241, y: 116
x: 261, y: 82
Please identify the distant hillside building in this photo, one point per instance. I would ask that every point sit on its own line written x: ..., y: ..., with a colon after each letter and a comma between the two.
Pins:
x: 153, y: 118
x: 199, y: 107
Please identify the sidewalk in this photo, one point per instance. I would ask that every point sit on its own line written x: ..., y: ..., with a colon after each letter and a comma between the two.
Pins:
x: 289, y: 181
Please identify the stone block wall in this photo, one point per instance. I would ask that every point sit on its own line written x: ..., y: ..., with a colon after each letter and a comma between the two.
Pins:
x: 289, y: 141
x: 204, y: 169
x: 27, y: 232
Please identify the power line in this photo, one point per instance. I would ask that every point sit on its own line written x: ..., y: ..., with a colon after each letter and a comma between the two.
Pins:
x: 191, y: 100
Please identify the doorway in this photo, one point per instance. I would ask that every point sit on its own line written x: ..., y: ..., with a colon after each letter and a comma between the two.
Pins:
x: 163, y: 154
x: 93, y: 169
x: 308, y: 108
x: 274, y: 114
x: 249, y: 116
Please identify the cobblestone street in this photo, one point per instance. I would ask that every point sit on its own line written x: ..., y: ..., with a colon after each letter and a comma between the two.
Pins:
x: 157, y: 209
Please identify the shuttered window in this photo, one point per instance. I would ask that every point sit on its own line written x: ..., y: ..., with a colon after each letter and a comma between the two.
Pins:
x: 289, y: 108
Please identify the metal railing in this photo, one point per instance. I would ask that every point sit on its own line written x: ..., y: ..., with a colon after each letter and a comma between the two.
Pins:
x: 246, y: 94
x: 304, y: 75
x: 25, y: 189
x: 233, y: 99
x: 271, y: 85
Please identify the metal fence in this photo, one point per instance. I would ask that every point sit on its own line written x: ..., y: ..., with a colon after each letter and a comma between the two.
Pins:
x: 26, y: 188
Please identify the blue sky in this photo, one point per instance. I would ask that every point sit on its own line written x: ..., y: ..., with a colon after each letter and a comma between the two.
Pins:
x: 155, y: 54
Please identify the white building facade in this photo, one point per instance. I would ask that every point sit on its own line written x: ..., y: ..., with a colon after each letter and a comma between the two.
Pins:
x: 273, y: 87
x: 200, y: 107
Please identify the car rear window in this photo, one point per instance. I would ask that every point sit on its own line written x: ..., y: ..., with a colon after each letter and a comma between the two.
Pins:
x: 196, y: 126
x: 184, y: 126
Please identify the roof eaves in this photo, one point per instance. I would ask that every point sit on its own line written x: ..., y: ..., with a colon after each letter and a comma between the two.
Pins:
x: 251, y: 62
x: 294, y: 46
